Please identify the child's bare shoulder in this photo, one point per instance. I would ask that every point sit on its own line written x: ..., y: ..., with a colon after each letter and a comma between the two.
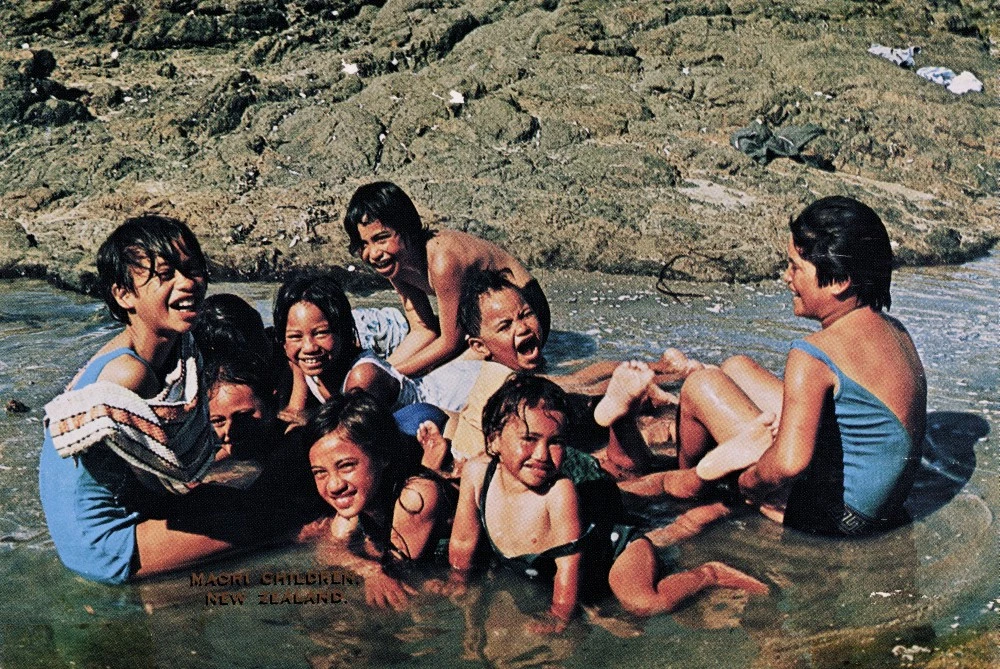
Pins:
x: 130, y: 372
x: 475, y: 468
x: 562, y: 492
x: 419, y: 496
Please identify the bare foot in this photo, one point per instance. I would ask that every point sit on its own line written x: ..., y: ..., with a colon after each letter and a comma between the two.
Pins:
x: 724, y: 576
x: 676, y: 362
x: 628, y: 385
x: 741, y: 451
x: 616, y: 627
x: 435, y: 446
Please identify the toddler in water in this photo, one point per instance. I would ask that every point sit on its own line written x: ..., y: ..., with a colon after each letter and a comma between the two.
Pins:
x: 384, y: 228
x: 853, y: 401
x: 522, y: 501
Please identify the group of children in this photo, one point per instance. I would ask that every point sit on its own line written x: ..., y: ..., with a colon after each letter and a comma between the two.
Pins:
x: 135, y: 481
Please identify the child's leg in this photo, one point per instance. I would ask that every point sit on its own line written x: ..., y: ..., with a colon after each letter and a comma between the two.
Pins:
x: 677, y: 483
x: 690, y: 523
x: 633, y: 579
x: 762, y: 387
x: 627, y: 451
x: 713, y: 409
x: 741, y: 451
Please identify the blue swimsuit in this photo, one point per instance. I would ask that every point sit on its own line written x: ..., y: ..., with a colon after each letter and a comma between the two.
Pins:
x: 90, y: 501
x: 863, y: 466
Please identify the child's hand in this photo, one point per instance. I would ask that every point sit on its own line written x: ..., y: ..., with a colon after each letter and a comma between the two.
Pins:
x: 384, y: 591
x: 455, y: 586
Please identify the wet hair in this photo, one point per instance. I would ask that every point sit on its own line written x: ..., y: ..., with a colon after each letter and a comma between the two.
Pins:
x: 517, y: 394
x: 385, y: 202
x: 845, y: 239
x: 369, y: 424
x: 135, y: 245
x: 234, y: 345
x: 241, y: 373
x: 322, y: 291
x: 479, y: 281
x: 228, y: 327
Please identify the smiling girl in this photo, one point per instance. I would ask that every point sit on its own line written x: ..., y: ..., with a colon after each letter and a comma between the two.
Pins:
x: 385, y: 230
x: 389, y: 509
x: 313, y: 323
x: 541, y: 508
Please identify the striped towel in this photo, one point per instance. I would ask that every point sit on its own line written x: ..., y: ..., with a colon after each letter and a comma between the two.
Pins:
x: 168, y: 436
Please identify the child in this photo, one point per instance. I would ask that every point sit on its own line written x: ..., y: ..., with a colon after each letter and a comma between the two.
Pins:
x: 371, y: 476
x: 853, y: 402
x: 237, y: 375
x: 385, y: 230
x: 115, y: 452
x: 504, y: 330
x: 503, y: 327
x: 533, y: 519
x: 313, y: 322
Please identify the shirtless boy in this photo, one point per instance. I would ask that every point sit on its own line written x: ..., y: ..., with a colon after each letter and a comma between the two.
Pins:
x: 385, y: 230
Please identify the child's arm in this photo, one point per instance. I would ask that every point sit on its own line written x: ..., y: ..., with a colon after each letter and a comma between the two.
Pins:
x: 294, y: 411
x: 381, y: 589
x: 466, y: 529
x: 422, y: 322
x: 808, y: 383
x: 130, y: 373
x: 445, y: 275
x: 563, y: 508
x: 414, y: 517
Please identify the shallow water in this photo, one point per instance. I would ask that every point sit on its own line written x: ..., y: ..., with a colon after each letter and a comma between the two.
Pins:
x: 878, y: 602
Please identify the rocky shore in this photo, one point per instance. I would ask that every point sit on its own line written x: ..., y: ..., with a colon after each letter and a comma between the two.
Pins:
x: 587, y: 134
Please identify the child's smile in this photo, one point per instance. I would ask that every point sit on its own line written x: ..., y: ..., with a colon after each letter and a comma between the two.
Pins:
x: 381, y: 247
x: 800, y: 276
x: 346, y: 477
x: 310, y: 341
x: 167, y: 298
x: 510, y: 330
x: 530, y: 447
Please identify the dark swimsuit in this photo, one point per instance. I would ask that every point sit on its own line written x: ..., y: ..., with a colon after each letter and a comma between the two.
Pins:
x: 601, y: 542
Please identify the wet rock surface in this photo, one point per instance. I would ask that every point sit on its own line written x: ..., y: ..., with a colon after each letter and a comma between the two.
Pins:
x: 581, y: 134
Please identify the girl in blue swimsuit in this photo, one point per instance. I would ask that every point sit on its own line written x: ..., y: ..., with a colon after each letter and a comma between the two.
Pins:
x: 853, y: 402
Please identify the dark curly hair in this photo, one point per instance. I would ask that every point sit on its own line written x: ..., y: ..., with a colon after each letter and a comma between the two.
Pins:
x: 518, y: 393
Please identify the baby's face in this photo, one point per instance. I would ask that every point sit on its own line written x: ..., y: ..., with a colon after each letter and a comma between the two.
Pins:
x: 510, y: 330
x: 530, y: 446
x: 310, y: 341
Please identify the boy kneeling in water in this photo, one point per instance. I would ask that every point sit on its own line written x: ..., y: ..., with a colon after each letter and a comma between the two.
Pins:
x: 117, y: 456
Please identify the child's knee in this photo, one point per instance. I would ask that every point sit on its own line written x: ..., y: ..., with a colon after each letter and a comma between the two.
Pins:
x: 737, y: 364
x: 701, y: 384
